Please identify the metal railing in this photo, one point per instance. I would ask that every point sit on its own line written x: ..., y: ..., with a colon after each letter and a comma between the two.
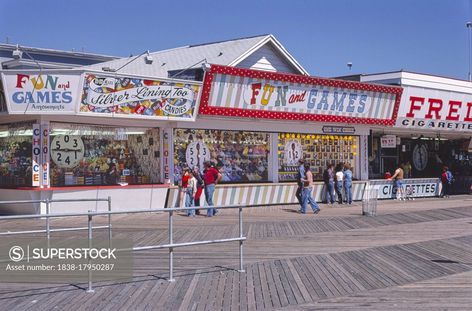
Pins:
x: 171, y: 245
x: 48, y: 229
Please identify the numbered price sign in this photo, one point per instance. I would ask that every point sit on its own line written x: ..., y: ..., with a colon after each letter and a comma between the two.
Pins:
x: 293, y: 152
x: 196, y: 154
x: 67, y: 151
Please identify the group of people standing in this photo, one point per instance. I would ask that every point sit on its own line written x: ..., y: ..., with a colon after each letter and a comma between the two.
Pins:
x: 338, y: 183
x: 194, y: 183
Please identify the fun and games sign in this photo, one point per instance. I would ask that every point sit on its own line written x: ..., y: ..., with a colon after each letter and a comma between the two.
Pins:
x: 229, y: 91
x: 138, y: 97
x: 42, y: 92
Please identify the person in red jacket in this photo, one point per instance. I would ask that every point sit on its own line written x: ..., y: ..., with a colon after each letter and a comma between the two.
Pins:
x: 211, y: 176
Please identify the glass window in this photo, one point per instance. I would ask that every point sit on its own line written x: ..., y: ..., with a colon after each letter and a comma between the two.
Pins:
x: 15, y: 155
x: 95, y: 155
x: 318, y: 150
x: 240, y: 156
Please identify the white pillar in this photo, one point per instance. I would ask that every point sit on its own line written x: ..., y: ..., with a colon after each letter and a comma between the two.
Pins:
x: 273, y: 165
x: 364, y: 157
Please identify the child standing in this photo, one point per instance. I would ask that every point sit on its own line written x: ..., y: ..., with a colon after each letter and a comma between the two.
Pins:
x: 190, y: 192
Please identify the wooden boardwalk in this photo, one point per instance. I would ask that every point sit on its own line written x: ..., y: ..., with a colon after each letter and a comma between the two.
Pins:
x: 412, y: 256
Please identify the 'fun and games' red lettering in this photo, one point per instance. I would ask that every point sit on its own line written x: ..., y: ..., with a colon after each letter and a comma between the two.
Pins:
x: 20, y: 80
x: 256, y: 87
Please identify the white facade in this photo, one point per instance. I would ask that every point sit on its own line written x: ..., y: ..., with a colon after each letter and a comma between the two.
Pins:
x: 430, y: 105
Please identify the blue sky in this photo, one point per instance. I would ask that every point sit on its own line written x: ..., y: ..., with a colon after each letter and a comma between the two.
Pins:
x: 427, y: 36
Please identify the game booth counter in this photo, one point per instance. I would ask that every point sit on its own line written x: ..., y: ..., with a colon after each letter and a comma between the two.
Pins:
x: 75, y: 134
x: 71, y: 134
x: 257, y: 125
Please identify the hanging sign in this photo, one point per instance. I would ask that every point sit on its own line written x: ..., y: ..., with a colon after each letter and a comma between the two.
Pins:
x: 388, y: 141
x: 44, y: 92
x: 230, y: 91
x: 330, y: 129
x: 130, y: 96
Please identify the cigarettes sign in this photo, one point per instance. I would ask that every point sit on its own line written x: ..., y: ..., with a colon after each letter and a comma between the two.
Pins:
x: 423, y: 108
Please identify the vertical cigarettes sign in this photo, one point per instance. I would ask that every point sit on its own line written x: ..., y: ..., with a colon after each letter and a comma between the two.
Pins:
x: 40, y: 156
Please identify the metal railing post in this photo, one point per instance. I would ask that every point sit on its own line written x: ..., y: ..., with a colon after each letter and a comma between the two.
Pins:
x: 48, y: 225
x: 109, y: 222
x: 171, y: 249
x: 89, y: 289
x: 241, y: 268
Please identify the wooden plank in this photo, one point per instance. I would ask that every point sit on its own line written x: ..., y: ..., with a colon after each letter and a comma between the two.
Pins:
x: 185, y: 305
x: 235, y: 291
x: 346, y: 263
x: 217, y: 304
x: 305, y: 295
x: 332, y: 275
x: 250, y: 289
x: 318, y: 287
x: 350, y: 280
x: 243, y: 297
x: 286, y: 286
x: 257, y: 287
x: 282, y: 296
x: 227, y: 291
x: 330, y: 288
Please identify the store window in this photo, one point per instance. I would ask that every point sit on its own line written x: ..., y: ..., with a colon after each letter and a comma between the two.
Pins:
x: 318, y: 150
x: 95, y: 155
x: 15, y: 155
x: 239, y: 155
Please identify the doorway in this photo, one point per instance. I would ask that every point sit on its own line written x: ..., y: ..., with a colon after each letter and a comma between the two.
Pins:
x: 388, y: 163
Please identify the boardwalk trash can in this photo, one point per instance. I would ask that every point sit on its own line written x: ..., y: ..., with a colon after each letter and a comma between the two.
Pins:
x: 369, y: 201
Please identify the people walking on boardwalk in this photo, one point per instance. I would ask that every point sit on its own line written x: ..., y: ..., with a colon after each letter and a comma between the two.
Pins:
x: 199, y: 177
x: 328, y: 179
x: 348, y: 182
x: 398, y: 177
x: 339, y: 176
x: 446, y: 182
x: 211, y: 176
x: 300, y: 176
x: 190, y: 191
x: 306, y: 193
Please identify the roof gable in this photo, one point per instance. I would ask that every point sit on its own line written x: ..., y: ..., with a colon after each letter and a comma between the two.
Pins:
x: 238, y: 52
